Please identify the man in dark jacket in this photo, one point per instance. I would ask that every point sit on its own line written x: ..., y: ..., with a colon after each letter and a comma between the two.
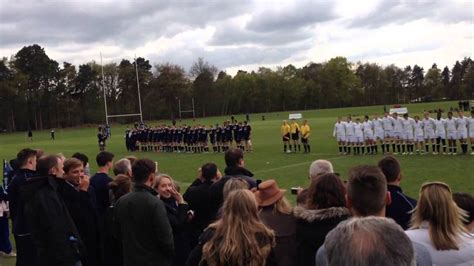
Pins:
x: 26, y: 251
x: 234, y: 160
x: 53, y: 231
x: 401, y: 205
x: 141, y: 221
x: 100, y: 181
x: 198, y: 197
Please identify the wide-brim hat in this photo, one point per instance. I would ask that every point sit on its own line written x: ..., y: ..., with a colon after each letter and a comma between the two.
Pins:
x: 268, y: 193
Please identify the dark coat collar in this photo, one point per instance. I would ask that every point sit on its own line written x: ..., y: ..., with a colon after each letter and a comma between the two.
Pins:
x: 143, y: 187
x: 237, y: 170
x: 321, y: 214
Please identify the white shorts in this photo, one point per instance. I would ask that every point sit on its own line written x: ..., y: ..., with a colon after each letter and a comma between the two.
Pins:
x: 441, y: 135
x: 350, y: 138
x: 452, y: 135
x: 398, y: 135
x: 359, y: 139
x: 419, y: 138
x: 430, y: 135
x: 389, y: 134
x: 379, y: 135
x: 369, y: 136
x: 471, y: 134
x: 341, y: 138
x: 462, y: 134
x: 408, y: 135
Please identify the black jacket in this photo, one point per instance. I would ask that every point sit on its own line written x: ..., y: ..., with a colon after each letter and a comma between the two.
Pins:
x: 312, y: 226
x: 143, y: 228
x: 217, y: 189
x: 52, y: 228
x: 83, y: 213
x: 17, y: 205
x: 177, y: 216
x: 400, y: 208
x: 196, y: 255
x: 198, y: 197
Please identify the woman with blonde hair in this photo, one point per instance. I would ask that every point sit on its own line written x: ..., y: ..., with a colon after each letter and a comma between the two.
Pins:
x: 437, y: 224
x: 238, y: 238
x: 276, y: 213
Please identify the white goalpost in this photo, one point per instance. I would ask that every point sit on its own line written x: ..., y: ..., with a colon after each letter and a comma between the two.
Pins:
x: 107, y: 116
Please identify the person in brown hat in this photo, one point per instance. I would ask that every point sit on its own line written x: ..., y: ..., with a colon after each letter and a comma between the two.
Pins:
x: 276, y: 213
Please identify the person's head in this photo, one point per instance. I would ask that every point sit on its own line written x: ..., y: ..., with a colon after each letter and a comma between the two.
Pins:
x: 426, y: 115
x: 269, y: 194
x: 405, y: 115
x: 143, y: 171
x: 349, y: 118
x: 73, y: 171
x: 27, y: 159
x: 240, y: 237
x: 123, y: 167
x: 461, y: 113
x: 132, y: 159
x: 234, y: 184
x: 339, y: 119
x: 120, y: 186
x: 209, y: 171
x: 105, y: 159
x: 450, y: 114
x: 369, y: 241
x: 61, y: 157
x: 439, y: 115
x: 366, y: 118
x: 357, y: 120
x: 285, y: 123
x: 305, y: 122
x: 81, y: 157
x: 320, y: 167
x: 164, y: 185
x: 326, y: 191
x: 391, y: 169
x: 367, y: 191
x: 50, y: 165
x: 234, y: 157
x: 417, y: 118
x: 395, y: 115
x: 437, y: 207
x: 465, y: 201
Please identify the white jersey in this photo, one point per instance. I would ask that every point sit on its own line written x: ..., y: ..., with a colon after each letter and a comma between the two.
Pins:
x: 358, y: 130
x: 451, y: 125
x: 470, y: 126
x: 428, y: 125
x: 408, y: 124
x: 349, y: 128
x: 439, y: 128
x: 339, y: 129
x: 418, y: 128
x: 378, y: 125
x: 387, y: 123
x: 367, y: 127
x: 397, y: 125
x: 461, y: 124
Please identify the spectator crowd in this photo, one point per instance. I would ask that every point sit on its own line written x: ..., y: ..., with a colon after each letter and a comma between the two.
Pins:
x: 61, y: 216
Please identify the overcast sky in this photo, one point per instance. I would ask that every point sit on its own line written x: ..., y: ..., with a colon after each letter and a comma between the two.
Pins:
x: 245, y: 34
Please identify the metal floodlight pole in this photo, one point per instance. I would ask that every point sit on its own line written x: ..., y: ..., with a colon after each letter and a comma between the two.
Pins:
x: 138, y: 88
x: 179, y: 107
x: 103, y: 88
x: 194, y: 116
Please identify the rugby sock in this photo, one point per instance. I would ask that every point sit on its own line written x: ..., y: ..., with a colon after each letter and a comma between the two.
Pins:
x: 345, y: 148
x: 294, y: 147
x: 455, y: 149
x: 363, y: 148
x: 348, y: 150
x: 383, y: 148
x: 376, y: 148
x: 284, y: 148
x: 387, y: 147
x: 464, y: 148
x: 398, y: 148
x: 309, y: 148
x: 299, y: 147
x: 393, y: 147
x: 433, y: 147
x: 340, y: 149
x: 427, y: 147
x: 472, y: 147
x: 403, y: 148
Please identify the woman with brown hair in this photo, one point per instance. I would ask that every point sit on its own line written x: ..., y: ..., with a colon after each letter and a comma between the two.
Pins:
x: 437, y: 224
x: 238, y: 238
x: 276, y: 213
x: 322, y: 212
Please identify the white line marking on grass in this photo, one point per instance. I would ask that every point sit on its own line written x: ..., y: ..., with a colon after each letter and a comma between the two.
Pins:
x: 296, y: 164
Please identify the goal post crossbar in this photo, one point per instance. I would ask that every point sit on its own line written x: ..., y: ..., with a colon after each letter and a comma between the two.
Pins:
x: 124, y: 115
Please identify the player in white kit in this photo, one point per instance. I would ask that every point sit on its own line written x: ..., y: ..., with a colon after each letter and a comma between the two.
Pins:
x: 452, y: 133
x: 359, y: 136
x: 340, y: 134
x: 397, y: 133
x: 350, y: 134
x: 387, y: 121
x: 367, y: 127
x: 440, y: 133
x: 461, y: 125
x: 408, y: 136
x: 470, y: 126
x: 419, y: 136
x: 378, y: 133
x: 429, y: 132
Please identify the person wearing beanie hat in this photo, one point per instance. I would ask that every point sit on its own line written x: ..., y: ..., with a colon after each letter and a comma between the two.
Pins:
x: 277, y: 213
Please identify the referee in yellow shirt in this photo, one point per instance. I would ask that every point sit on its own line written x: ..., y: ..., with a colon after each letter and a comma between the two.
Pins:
x: 295, y: 135
x: 285, y: 134
x: 305, y: 132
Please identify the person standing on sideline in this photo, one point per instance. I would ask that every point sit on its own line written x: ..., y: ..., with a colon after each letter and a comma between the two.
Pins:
x: 100, y: 181
x: 30, y: 134
x: 142, y: 223
x: 305, y: 133
x: 285, y: 134
x: 470, y: 125
x: 52, y: 134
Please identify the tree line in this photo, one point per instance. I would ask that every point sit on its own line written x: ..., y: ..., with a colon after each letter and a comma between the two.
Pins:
x: 36, y: 92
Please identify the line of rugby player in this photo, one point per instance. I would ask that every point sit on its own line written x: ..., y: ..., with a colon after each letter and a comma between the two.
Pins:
x: 405, y: 134
x: 186, y: 138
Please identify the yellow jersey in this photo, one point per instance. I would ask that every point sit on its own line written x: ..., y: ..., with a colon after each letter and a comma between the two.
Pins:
x: 305, y: 131
x: 285, y: 129
x: 295, y: 128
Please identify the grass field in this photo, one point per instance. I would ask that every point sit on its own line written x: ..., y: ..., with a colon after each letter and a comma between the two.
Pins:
x: 267, y: 160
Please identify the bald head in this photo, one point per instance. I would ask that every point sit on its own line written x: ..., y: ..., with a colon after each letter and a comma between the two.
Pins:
x: 320, y: 167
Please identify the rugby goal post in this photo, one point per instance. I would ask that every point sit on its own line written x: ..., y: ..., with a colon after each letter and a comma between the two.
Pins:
x: 107, y: 116
x: 186, y: 111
